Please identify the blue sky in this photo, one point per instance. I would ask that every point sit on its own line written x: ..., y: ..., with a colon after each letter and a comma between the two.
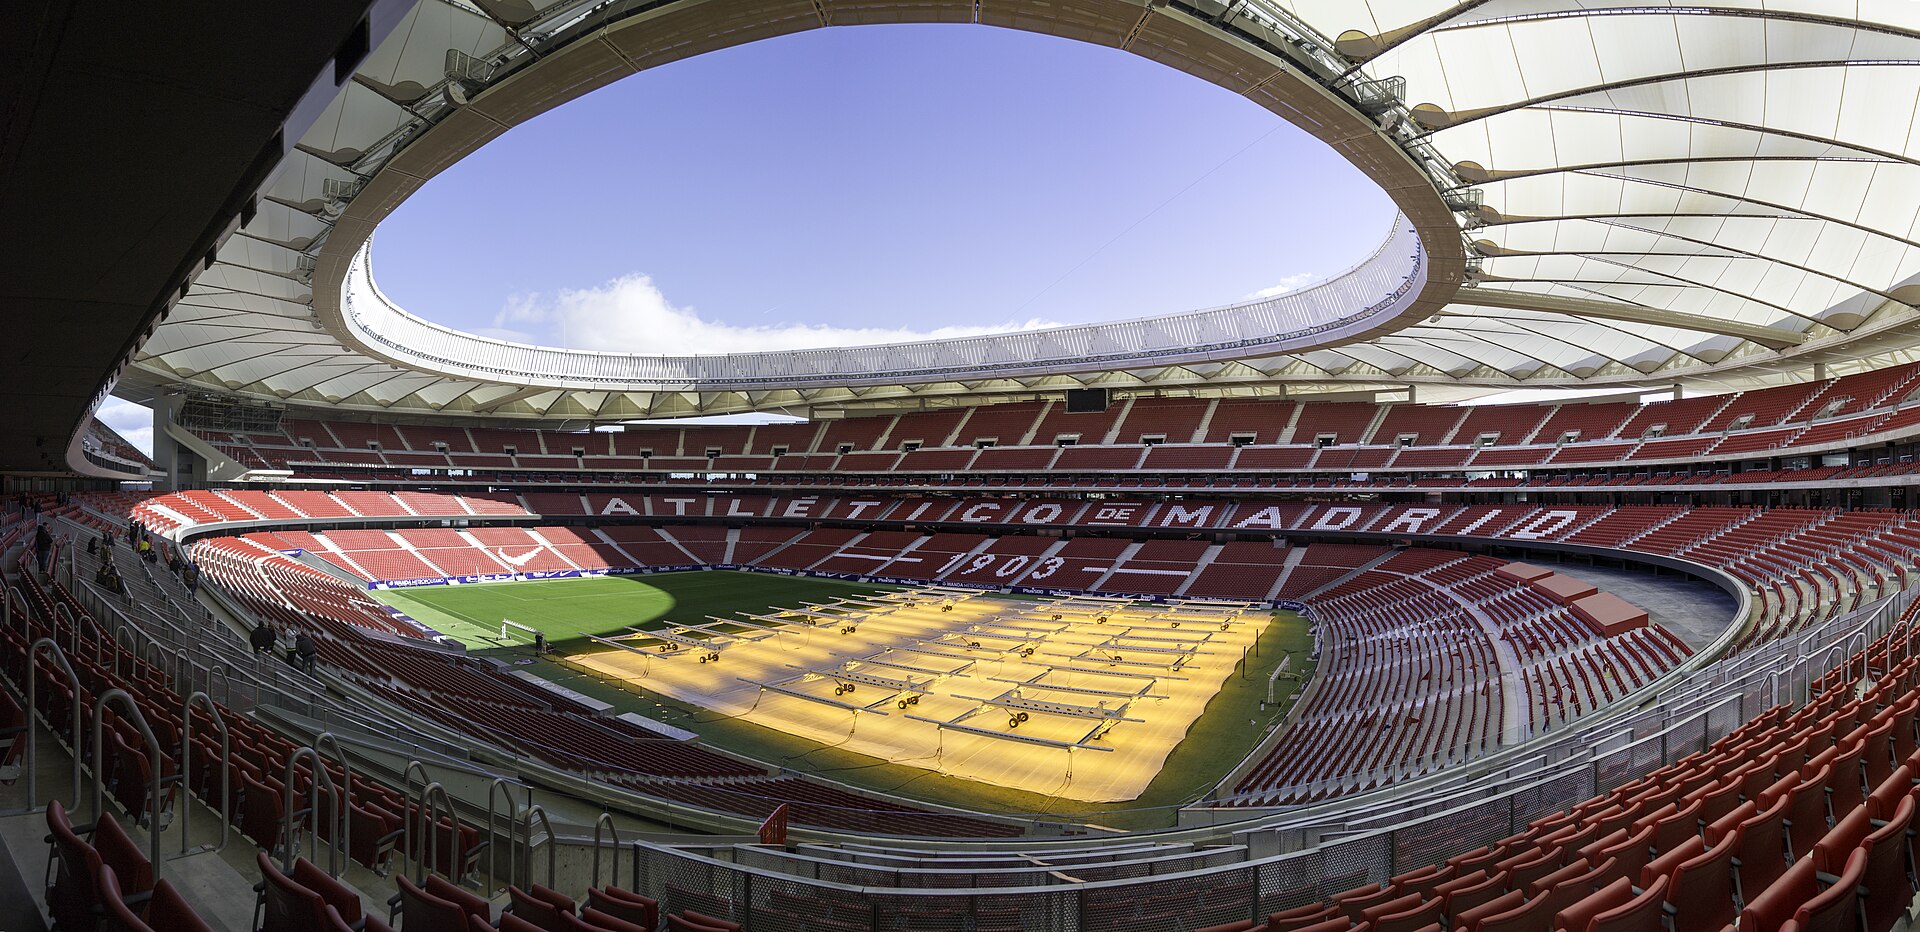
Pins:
x: 873, y: 183
x: 867, y: 184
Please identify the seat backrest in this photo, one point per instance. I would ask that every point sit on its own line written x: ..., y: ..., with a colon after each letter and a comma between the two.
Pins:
x: 538, y: 911
x: 338, y: 895
x: 336, y: 923
x: 1831, y: 851
x: 1807, y: 812
x: 1339, y: 924
x: 130, y: 867
x: 1523, y: 869
x: 1835, y: 908
x: 75, y: 887
x: 1886, y: 868
x: 290, y: 907
x: 1417, y: 915
x: 607, y: 922
x: 471, y: 902
x: 1398, y: 904
x: 1776, y: 903
x: 1303, y: 917
x: 1643, y: 913
x: 421, y: 911
x: 1701, y: 888
x: 1531, y: 916
x: 631, y: 907
x: 1888, y: 793
x: 711, y: 922
x: 115, y: 916
x: 560, y: 901
x: 1666, y: 863
x: 168, y: 911
x: 1575, y: 917
x: 1577, y: 867
x: 1717, y: 799
x: 1471, y: 918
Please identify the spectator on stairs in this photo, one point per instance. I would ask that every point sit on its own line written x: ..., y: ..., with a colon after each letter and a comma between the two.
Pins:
x: 262, y: 639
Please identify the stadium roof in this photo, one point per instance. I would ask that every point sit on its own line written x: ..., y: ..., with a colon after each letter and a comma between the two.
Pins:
x: 1637, y: 194
x: 131, y: 136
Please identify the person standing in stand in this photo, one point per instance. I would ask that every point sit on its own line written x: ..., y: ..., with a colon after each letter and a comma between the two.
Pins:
x: 42, y: 546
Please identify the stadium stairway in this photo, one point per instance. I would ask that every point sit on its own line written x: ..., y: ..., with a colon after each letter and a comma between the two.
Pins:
x: 213, y: 869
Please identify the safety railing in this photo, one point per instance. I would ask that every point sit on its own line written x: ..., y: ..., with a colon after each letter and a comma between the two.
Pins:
x: 200, y: 699
x: 341, y: 809
x: 432, y: 803
x: 497, y: 790
x: 613, y: 834
x: 51, y: 648
x: 154, y: 756
x: 525, y: 854
x: 318, y: 780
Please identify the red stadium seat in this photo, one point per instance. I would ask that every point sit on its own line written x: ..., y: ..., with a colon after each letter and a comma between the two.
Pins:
x: 1530, y: 916
x: 165, y: 911
x: 1579, y: 916
x: 634, y: 908
x: 1889, y: 886
x: 76, y: 870
x: 121, y: 855
x: 1837, y: 908
x: 540, y: 911
x: 1406, y: 914
x: 1701, y: 888
x: 1643, y: 913
x: 1301, y: 917
x: 1469, y: 890
x: 288, y: 906
x: 594, y: 919
x: 1806, y: 815
x: 1525, y: 868
x: 421, y: 911
x: 336, y: 923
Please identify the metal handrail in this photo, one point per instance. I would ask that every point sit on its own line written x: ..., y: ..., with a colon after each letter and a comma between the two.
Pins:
x: 73, y: 681
x: 73, y: 624
x: 126, y: 646
x: 186, y: 766
x: 432, y: 795
x: 344, y: 811
x: 6, y: 610
x: 1844, y: 652
x: 147, y: 655
x: 613, y: 831
x: 496, y: 790
x: 100, y: 768
x: 526, y: 841
x: 317, y: 775
x: 221, y: 669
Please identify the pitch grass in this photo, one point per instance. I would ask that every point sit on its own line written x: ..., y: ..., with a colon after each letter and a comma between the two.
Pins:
x: 566, y: 610
x: 1220, y: 738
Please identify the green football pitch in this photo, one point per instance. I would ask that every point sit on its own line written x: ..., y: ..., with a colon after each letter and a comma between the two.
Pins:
x: 566, y: 609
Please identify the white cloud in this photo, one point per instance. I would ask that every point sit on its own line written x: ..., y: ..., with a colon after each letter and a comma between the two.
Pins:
x: 629, y: 314
x: 1283, y: 286
x: 129, y: 420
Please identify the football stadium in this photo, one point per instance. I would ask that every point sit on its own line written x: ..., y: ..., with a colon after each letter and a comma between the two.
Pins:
x: 1550, y: 567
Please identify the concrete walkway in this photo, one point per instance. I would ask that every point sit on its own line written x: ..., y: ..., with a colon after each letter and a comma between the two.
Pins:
x: 1695, y: 611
